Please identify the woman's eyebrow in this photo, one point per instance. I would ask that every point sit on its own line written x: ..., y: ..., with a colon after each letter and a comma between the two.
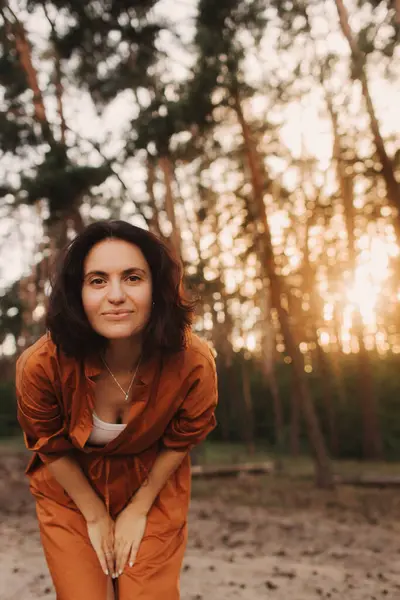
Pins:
x: 124, y: 272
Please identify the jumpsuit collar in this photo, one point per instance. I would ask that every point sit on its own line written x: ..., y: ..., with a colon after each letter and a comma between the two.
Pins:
x: 93, y: 366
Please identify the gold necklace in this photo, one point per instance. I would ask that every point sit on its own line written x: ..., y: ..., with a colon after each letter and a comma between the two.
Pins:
x: 126, y: 394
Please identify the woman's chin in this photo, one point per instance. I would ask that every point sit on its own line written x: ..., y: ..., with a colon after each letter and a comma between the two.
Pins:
x: 116, y: 333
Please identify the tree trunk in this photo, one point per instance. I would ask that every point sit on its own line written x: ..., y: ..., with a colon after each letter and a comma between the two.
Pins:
x: 59, y: 96
x: 335, y: 355
x: 310, y: 286
x: 27, y: 289
x: 224, y: 403
x: 248, y: 422
x: 328, y: 399
x: 57, y: 77
x: 271, y: 381
x: 392, y: 186
x: 23, y: 49
x: 154, y: 222
x: 294, y: 419
x: 324, y: 474
x: 372, y: 442
x: 268, y: 368
x: 221, y: 335
x: 32, y: 287
x: 57, y: 232
x: 278, y: 412
x: 74, y: 219
x: 166, y: 167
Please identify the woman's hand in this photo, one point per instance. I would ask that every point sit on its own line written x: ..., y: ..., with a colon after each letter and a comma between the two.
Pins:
x: 128, y: 533
x: 101, y: 535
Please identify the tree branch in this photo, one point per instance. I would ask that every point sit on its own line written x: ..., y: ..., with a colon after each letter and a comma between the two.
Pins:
x: 109, y: 161
x: 58, y: 76
x: 23, y: 49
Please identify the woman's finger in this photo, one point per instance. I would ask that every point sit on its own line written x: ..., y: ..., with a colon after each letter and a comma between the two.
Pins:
x: 117, y: 552
x: 110, y: 553
x: 122, y: 558
x: 109, y: 559
x: 102, y: 558
x: 133, y: 554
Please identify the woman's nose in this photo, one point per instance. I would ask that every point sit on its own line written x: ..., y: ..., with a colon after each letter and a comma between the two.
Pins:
x: 116, y: 292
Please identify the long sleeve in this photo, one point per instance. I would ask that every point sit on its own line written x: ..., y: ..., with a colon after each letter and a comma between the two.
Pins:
x: 195, y: 418
x: 39, y: 411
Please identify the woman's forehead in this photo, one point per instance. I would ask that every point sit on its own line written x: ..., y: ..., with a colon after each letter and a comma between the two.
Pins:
x: 114, y: 255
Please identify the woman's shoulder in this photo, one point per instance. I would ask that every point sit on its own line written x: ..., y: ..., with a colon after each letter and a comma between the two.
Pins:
x: 41, y: 356
x: 196, y: 353
x: 198, y: 348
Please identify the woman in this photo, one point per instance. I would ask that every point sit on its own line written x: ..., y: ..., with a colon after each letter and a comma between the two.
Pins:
x: 111, y: 400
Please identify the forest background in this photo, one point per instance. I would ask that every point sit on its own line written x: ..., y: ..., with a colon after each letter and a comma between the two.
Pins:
x: 260, y: 140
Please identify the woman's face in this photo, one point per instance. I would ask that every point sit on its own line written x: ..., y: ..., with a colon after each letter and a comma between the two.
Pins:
x: 117, y: 289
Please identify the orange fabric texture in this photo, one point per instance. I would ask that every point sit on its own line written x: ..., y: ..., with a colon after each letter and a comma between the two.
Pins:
x: 173, y: 404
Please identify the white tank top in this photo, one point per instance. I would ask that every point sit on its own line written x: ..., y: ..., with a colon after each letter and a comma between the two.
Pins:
x: 103, y: 432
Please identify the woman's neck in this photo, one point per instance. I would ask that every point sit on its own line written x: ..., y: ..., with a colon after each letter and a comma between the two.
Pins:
x: 122, y: 355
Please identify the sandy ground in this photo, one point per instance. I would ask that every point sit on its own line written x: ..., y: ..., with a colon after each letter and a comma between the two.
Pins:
x: 250, y: 538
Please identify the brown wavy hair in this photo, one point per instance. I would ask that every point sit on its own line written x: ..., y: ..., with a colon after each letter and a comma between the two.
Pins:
x: 173, y: 310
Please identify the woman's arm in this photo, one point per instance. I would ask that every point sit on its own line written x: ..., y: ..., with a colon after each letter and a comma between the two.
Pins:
x: 164, y: 466
x: 99, y: 523
x: 130, y: 524
x: 190, y: 425
x: 40, y: 416
x: 71, y: 477
x: 39, y: 409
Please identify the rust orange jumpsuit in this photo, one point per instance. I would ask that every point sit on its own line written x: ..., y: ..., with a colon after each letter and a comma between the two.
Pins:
x: 173, y: 406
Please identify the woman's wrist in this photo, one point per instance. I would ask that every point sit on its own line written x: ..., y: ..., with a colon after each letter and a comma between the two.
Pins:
x: 139, y: 507
x: 94, y: 512
x: 93, y: 518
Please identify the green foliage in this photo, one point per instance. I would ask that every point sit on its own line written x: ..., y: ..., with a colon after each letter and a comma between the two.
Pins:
x: 10, y: 313
x: 112, y: 44
x: 228, y: 16
x: 61, y: 181
x: 15, y: 128
x: 15, y: 134
x: 347, y: 417
x: 8, y: 415
x: 12, y: 76
x: 51, y: 173
x: 221, y: 52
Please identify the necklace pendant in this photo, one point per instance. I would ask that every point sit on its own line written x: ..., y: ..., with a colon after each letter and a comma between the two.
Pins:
x: 126, y: 394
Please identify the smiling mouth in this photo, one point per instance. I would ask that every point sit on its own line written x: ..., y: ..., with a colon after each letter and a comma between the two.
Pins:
x: 117, y: 315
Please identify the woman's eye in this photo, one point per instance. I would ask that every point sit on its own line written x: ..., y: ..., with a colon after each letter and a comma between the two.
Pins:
x: 99, y: 281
